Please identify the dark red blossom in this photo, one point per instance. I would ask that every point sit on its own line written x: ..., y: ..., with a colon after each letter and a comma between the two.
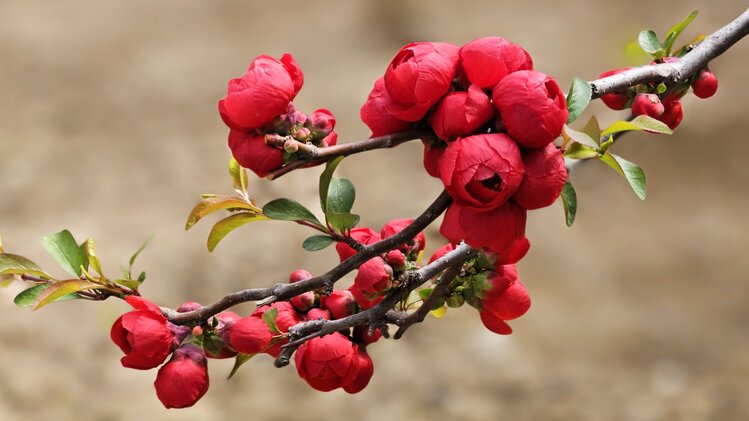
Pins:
x: 374, y: 276
x: 375, y: 115
x: 183, y: 380
x: 486, y: 61
x: 461, y: 113
x: 327, y: 362
x: 545, y: 175
x: 251, y: 151
x: 363, y: 235
x: 365, y: 370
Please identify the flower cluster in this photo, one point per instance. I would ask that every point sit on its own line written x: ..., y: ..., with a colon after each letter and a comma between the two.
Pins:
x: 495, y: 119
x: 262, y: 119
x: 645, y: 99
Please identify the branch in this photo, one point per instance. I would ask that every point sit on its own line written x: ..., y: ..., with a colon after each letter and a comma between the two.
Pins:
x: 310, y: 154
x: 280, y: 292
x: 677, y: 73
x: 377, y: 315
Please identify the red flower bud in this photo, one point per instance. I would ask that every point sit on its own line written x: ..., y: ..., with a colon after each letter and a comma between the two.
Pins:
x: 396, y: 259
x: 340, y: 303
x: 320, y: 123
x: 672, y: 113
x: 362, y: 335
x: 363, y: 235
x: 364, y: 301
x: 299, y: 275
x: 188, y: 306
x: 545, y: 175
x: 616, y: 100
x: 364, y: 373
x: 286, y: 318
x: 397, y: 225
x: 197, y: 331
x: 262, y: 93
x: 225, y: 319
x: 705, y: 84
x: 144, y: 335
x: 251, y: 151
x: 432, y: 156
x: 327, y: 362
x: 500, y: 230
x: 374, y: 277
x: 318, y: 313
x: 647, y: 104
x: 461, y: 113
x: 531, y: 107
x: 419, y: 75
x: 447, y: 248
x: 249, y: 335
x: 303, y: 302
x: 374, y: 112
x: 183, y: 380
x: 482, y: 171
x: 486, y: 61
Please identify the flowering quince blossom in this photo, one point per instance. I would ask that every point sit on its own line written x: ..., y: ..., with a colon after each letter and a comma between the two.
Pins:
x: 145, y: 335
x: 327, y: 363
x: 340, y: 303
x: 286, y: 318
x: 374, y: 277
x: 364, y: 372
x: 183, y: 380
x: 647, y: 104
x: 461, y: 113
x: 363, y: 235
x: 486, y: 61
x: 375, y: 115
x: 705, y: 84
x: 248, y: 335
x: 615, y: 100
x: 507, y: 299
x: 395, y: 226
x: 545, y: 175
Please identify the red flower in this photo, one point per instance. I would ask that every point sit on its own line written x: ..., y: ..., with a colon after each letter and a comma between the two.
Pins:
x: 320, y: 123
x: 482, y: 171
x: 286, y: 318
x: 500, y: 230
x: 396, y: 259
x: 461, y: 113
x: 251, y: 151
x: 705, y: 84
x: 363, y: 235
x: 374, y: 277
x: 419, y: 75
x: 183, y: 380
x: 327, y: 362
x: 304, y: 301
x: 248, y: 335
x: 144, y: 335
x: 397, y: 225
x: 486, y: 61
x: 672, y: 113
x: 531, y: 107
x: 364, y: 301
x: 374, y: 112
x: 615, y: 100
x: 262, y: 93
x: 364, y: 373
x: 447, y: 248
x: 340, y: 303
x: 647, y: 104
x: 494, y: 323
x: 545, y: 175
x: 432, y: 155
x: 225, y: 319
x: 507, y: 300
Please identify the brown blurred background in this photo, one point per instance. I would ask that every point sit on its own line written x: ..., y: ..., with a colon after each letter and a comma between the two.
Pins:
x: 108, y: 127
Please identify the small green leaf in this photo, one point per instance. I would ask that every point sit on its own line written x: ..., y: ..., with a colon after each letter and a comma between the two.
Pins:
x: 11, y: 264
x: 676, y: 30
x: 269, y: 317
x: 325, y: 179
x: 579, y: 151
x: 341, y: 195
x: 425, y: 293
x: 238, y: 177
x: 238, y: 362
x: 27, y: 297
x: 229, y: 224
x: 130, y: 283
x: 650, y: 44
x: 289, y: 210
x: 439, y: 312
x: 55, y: 291
x: 639, y: 123
x: 317, y: 242
x: 66, y: 252
x: 142, y: 277
x: 634, y: 174
x: 592, y: 129
x: 89, y: 250
x: 569, y: 200
x: 343, y: 221
x: 137, y: 252
x: 578, y: 98
x: 215, y: 204
x: 580, y: 137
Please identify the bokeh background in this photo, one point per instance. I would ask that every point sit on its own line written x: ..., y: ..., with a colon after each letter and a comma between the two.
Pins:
x: 108, y: 127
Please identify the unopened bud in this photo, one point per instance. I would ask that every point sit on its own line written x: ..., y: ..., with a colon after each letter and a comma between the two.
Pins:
x: 197, y: 331
x: 301, y: 134
x: 291, y: 146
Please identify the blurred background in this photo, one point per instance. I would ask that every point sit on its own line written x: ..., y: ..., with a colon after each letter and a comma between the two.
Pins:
x: 109, y: 127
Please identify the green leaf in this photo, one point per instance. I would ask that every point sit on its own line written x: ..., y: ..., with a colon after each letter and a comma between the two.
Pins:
x: 214, y: 204
x: 27, y: 297
x: 579, y: 151
x: 130, y: 283
x: 229, y: 224
x: 425, y: 293
x: 580, y: 137
x: 578, y: 98
x: 64, y: 249
x: 661, y: 88
x: 137, y: 252
x: 11, y: 264
x: 569, y: 200
x: 641, y: 122
x: 439, y: 312
x: 341, y: 195
x: 634, y: 174
x: 269, y: 317
x: 238, y: 177
x: 289, y: 210
x: 325, y: 179
x: 240, y: 360
x: 343, y: 221
x: 317, y: 242
x: 89, y: 250
x: 592, y: 129
x: 54, y: 292
x: 676, y: 30
x: 650, y: 44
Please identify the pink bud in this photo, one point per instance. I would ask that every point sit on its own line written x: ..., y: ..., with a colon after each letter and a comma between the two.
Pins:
x: 340, y: 303
x: 188, y: 306
x: 705, y: 84
x: 320, y: 123
x: 303, y: 302
x: 647, y: 104
x: 318, y: 313
x: 396, y: 259
x: 183, y: 380
x: 299, y: 275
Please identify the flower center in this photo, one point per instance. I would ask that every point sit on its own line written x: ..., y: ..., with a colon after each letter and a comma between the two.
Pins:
x: 492, y: 183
